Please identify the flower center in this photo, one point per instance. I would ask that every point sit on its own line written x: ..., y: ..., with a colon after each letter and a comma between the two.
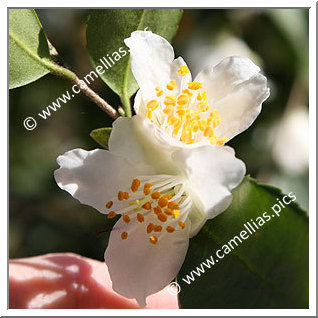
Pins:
x: 159, y: 197
x: 185, y: 115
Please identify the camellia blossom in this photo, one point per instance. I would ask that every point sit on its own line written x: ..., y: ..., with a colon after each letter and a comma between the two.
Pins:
x: 221, y: 102
x: 166, y: 171
x: 161, y: 204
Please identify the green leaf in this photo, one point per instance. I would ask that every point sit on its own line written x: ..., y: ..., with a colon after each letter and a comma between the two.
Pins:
x: 29, y: 57
x: 267, y: 270
x: 106, y: 31
x: 27, y: 46
x: 101, y: 136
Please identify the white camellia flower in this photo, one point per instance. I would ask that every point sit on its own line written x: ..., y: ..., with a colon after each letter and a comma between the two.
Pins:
x: 220, y: 103
x: 161, y: 173
x: 162, y: 201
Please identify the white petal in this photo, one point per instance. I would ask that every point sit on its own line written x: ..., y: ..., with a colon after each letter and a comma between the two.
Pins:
x: 138, y: 139
x: 237, y: 89
x: 151, y: 57
x: 213, y: 172
x: 240, y: 108
x: 94, y: 177
x: 138, y: 268
x: 181, y: 81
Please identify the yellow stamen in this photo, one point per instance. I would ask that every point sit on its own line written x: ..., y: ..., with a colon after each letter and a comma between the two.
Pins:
x: 111, y: 215
x: 140, y: 217
x: 202, y: 124
x: 162, y: 217
x: 181, y: 224
x: 171, y: 85
x: 159, y: 91
x: 153, y: 239
x: 213, y: 140
x: 150, y: 227
x: 168, y: 211
x: 163, y: 202
x: 153, y: 104
x: 135, y: 185
x: 147, y: 191
x: 157, y: 210
x: 124, y: 235
x: 175, y: 213
x: 222, y: 141
x: 183, y: 99
x: 172, y: 205
x: 120, y: 195
x: 183, y: 70
x: 186, y: 91
x: 170, y: 229
x: 146, y: 206
x: 126, y: 195
x: 155, y: 195
x: 168, y: 109
x: 126, y: 218
x: 201, y: 96
x: 158, y: 228
x: 109, y: 204
x: 148, y: 113
x: 194, y: 85
x: 208, y: 132
x: 170, y: 100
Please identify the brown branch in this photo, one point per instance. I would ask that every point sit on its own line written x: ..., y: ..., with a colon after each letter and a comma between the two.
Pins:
x: 96, y: 98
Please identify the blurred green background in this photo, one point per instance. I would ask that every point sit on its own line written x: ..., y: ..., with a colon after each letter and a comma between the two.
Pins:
x: 44, y: 219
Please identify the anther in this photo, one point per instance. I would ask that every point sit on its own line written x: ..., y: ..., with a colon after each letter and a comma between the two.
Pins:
x: 121, y: 195
x: 194, y: 85
x: 140, y: 217
x: 181, y: 224
x: 150, y: 227
x: 168, y: 211
x: 168, y: 109
x: 153, y: 104
x: 173, y: 205
x: 170, y: 100
x: 183, y: 69
x: 109, y: 204
x: 135, y: 185
x: 111, y: 215
x: 175, y: 213
x: 148, y: 113
x: 146, y: 206
x: 162, y: 217
x: 147, y: 191
x: 208, y: 132
x: 124, y: 235
x: 126, y: 218
x: 158, y: 228
x: 155, y: 195
x: 222, y: 141
x: 159, y: 91
x: 171, y: 85
x: 157, y: 210
x: 163, y: 202
x: 153, y: 239
x: 183, y: 99
x: 170, y: 229
x: 126, y: 195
